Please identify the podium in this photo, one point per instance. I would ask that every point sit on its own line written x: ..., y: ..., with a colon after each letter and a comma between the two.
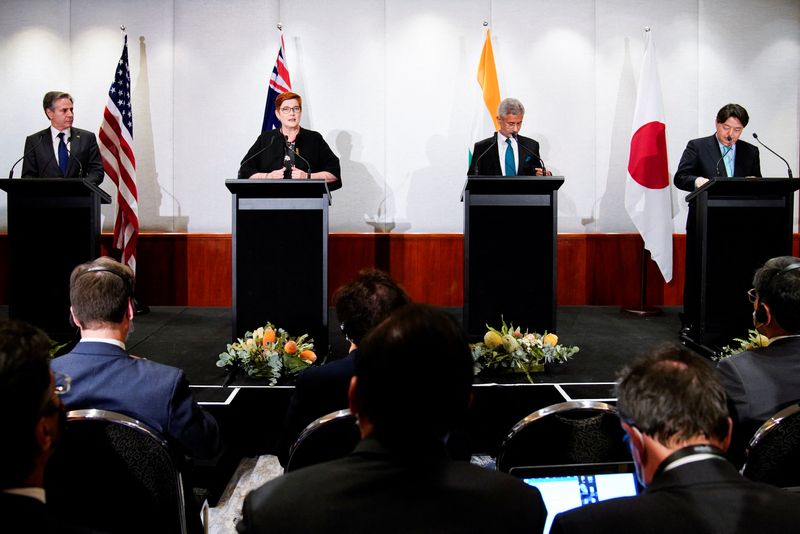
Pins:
x: 53, y: 226
x: 280, y: 256
x: 739, y: 224
x: 510, y: 227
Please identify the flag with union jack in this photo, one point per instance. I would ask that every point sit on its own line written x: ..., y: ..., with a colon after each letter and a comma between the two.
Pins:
x: 119, y: 163
x: 279, y: 82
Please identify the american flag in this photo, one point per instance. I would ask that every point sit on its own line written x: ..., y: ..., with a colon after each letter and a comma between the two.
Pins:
x: 279, y: 83
x: 119, y: 163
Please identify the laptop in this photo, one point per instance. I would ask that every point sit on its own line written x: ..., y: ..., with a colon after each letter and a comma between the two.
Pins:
x: 564, y: 487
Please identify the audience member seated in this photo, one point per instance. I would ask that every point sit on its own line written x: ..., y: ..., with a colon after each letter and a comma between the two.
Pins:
x: 360, y: 306
x: 673, y: 410
x: 33, y: 419
x: 399, y: 478
x: 761, y: 382
x: 108, y: 378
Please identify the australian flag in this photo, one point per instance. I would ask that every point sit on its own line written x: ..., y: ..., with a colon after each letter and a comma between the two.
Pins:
x: 279, y: 83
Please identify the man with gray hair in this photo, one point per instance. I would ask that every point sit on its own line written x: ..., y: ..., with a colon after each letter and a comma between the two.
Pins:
x: 675, y: 416
x: 506, y: 153
x: 62, y: 151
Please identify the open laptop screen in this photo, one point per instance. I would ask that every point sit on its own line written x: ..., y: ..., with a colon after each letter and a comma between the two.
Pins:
x: 564, y: 487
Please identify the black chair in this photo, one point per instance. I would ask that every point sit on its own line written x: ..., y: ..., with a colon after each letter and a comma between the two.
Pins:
x: 773, y: 453
x: 327, y: 438
x: 574, y: 432
x: 112, y: 473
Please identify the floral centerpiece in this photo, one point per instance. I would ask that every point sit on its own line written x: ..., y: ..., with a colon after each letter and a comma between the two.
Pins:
x: 269, y: 352
x: 509, y: 350
x: 754, y: 340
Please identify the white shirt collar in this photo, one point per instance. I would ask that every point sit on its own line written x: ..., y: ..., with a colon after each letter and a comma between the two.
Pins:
x: 54, y: 133
x: 119, y: 344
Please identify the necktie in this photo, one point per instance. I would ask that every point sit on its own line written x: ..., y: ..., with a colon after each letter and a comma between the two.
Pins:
x: 511, y: 167
x: 728, y: 160
x: 63, y: 154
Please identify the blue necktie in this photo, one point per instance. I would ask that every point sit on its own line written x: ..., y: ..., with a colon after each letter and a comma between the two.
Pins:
x: 63, y: 154
x: 511, y: 167
x: 727, y: 158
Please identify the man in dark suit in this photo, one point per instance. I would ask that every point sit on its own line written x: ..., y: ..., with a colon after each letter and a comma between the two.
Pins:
x: 361, y: 305
x: 722, y: 154
x: 33, y: 420
x: 762, y: 381
x: 108, y: 378
x: 62, y: 151
x: 674, y: 413
x: 506, y: 153
x: 399, y: 478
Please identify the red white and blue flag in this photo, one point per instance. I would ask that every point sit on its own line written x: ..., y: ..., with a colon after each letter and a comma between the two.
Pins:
x: 119, y: 163
x: 647, y: 193
x: 279, y: 82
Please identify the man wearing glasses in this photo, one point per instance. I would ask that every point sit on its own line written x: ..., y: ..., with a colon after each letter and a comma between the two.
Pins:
x: 291, y: 152
x: 762, y: 381
x: 32, y: 425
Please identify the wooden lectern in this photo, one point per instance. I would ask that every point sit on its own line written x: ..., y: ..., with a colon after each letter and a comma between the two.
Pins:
x: 510, y: 227
x: 740, y: 223
x: 280, y: 256
x: 53, y: 226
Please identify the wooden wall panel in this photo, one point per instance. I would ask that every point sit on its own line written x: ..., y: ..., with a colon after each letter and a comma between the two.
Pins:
x: 593, y: 269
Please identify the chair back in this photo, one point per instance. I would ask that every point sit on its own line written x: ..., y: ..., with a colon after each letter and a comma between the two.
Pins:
x: 773, y: 453
x: 573, y: 432
x: 327, y: 438
x: 113, y: 473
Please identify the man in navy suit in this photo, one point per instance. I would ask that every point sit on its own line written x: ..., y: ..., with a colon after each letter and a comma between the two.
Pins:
x: 722, y: 154
x: 33, y: 420
x: 107, y: 377
x: 62, y: 151
x: 675, y: 416
x: 506, y: 153
x: 361, y: 305
x: 399, y: 478
x: 762, y: 381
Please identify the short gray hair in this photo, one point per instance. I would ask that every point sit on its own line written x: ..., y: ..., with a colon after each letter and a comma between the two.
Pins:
x: 510, y: 106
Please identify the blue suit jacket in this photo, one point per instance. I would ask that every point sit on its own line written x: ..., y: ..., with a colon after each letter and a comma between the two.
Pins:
x: 105, y: 377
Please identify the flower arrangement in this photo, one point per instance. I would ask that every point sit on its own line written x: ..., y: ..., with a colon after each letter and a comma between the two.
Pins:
x: 754, y: 340
x: 509, y: 350
x: 269, y: 352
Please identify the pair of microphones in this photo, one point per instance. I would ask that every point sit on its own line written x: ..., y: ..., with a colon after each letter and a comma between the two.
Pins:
x: 755, y: 136
x: 42, y: 137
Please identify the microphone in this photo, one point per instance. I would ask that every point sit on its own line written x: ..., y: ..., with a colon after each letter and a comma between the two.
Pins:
x: 297, y: 154
x: 25, y: 155
x: 724, y: 153
x: 476, y: 160
x: 755, y: 136
x: 541, y: 162
x: 271, y: 140
x: 80, y: 165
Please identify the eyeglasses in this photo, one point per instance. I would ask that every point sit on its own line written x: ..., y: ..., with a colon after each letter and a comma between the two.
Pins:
x: 63, y: 382
x: 296, y: 109
x: 752, y: 295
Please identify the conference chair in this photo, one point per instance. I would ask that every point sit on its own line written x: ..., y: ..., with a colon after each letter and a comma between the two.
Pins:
x: 113, y: 473
x: 773, y: 453
x: 327, y: 438
x: 573, y: 432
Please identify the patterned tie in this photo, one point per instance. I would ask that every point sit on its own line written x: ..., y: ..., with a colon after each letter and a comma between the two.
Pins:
x: 511, y: 167
x: 63, y: 154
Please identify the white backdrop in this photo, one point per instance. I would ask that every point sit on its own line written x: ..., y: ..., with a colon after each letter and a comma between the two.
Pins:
x: 390, y: 86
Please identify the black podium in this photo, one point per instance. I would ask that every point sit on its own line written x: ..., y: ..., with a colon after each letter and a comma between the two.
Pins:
x: 280, y: 256
x: 510, y: 227
x: 739, y: 224
x: 53, y: 225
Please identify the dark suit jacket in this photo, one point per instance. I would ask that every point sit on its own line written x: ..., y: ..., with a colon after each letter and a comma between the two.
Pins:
x: 371, y: 490
x: 708, y: 496
x: 84, y: 157
x: 486, y: 159
x: 19, y: 513
x: 105, y: 377
x: 266, y: 155
x: 759, y: 383
x: 318, y: 391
